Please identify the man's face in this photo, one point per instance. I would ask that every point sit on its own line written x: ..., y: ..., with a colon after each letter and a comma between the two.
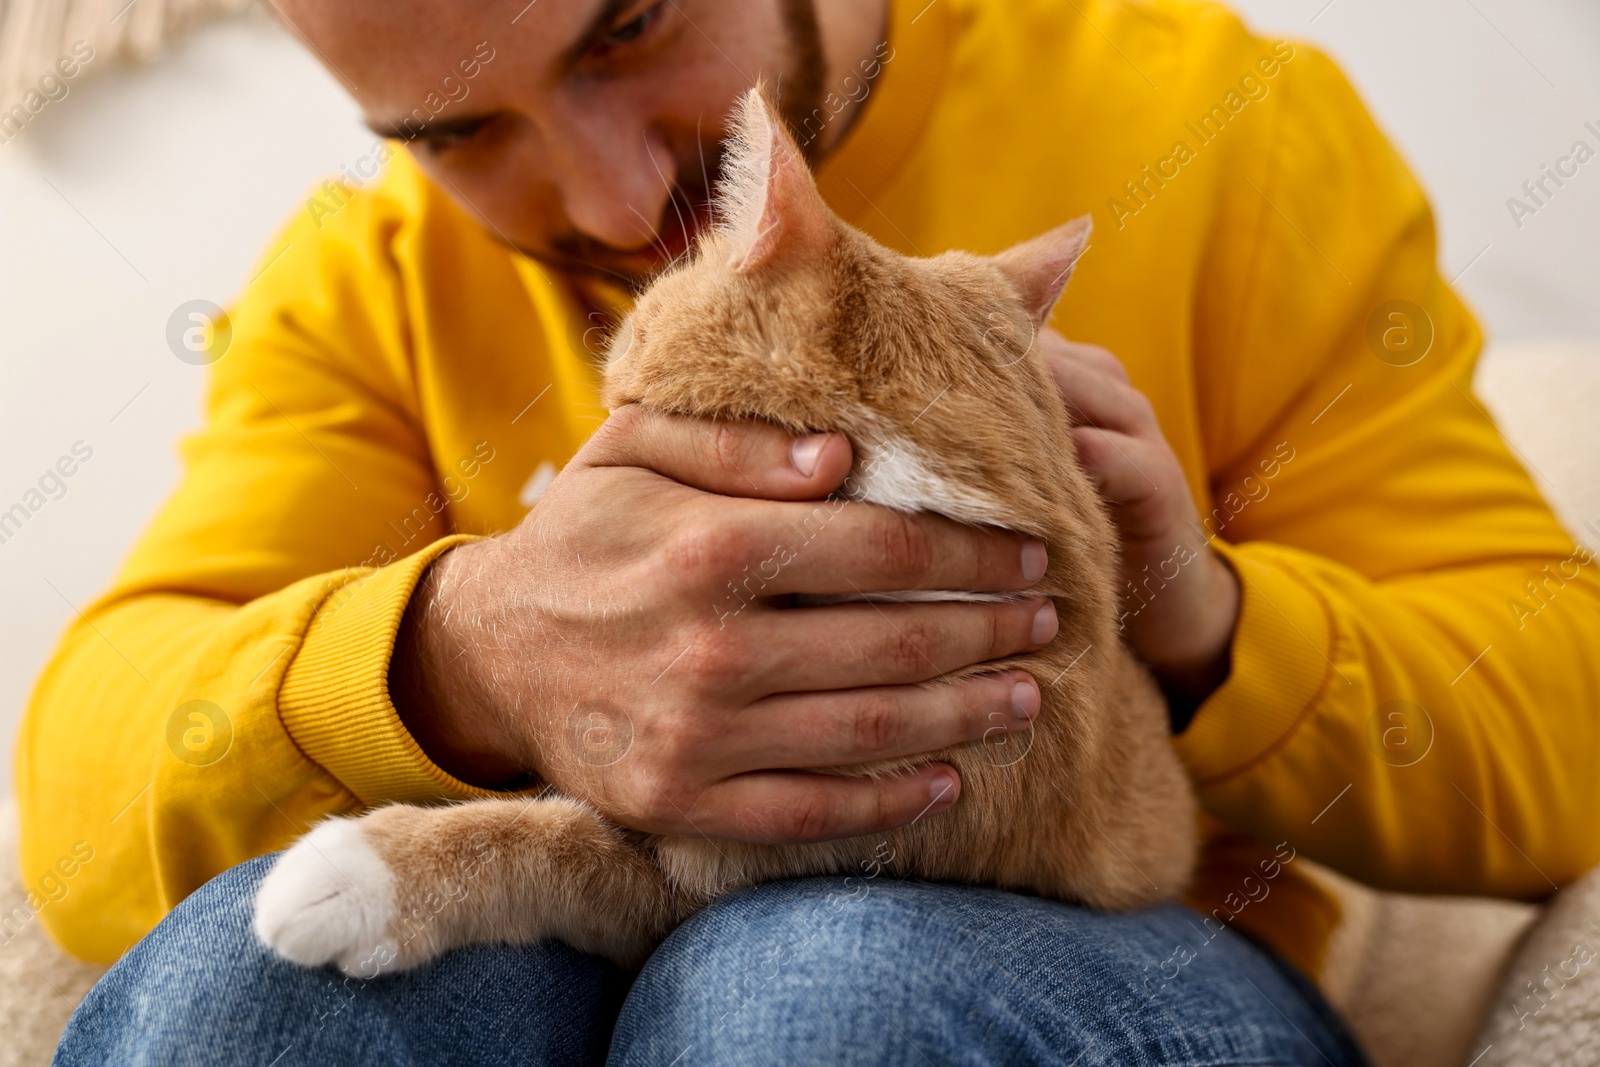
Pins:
x: 585, y: 133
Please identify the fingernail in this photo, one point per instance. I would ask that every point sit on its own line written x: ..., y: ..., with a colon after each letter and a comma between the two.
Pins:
x: 941, y: 790
x: 804, y: 452
x: 1034, y: 561
x: 1025, y: 700
x: 1044, y: 623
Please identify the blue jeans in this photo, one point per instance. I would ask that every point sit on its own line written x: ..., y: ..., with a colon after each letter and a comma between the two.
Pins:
x: 821, y: 971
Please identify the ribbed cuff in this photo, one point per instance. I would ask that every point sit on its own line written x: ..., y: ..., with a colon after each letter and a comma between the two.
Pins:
x: 1282, y: 659
x: 335, y: 703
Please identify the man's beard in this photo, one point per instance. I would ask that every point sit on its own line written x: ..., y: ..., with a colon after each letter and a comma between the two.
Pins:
x: 689, y: 208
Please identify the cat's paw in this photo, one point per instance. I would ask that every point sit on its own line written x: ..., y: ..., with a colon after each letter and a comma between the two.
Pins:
x: 330, y: 899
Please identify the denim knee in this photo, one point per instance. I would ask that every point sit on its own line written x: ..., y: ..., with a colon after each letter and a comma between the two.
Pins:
x: 199, y: 989
x: 832, y: 971
x: 844, y: 972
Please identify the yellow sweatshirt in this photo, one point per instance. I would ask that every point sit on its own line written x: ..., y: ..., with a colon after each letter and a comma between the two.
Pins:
x: 1414, y: 687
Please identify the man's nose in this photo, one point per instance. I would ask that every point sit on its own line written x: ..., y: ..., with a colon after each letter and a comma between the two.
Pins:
x: 614, y: 183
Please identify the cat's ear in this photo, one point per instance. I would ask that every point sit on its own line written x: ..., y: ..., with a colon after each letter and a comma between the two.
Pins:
x: 770, y: 206
x: 1040, y: 268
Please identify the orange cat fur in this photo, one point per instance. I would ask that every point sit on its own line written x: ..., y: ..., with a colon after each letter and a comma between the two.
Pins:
x: 785, y: 313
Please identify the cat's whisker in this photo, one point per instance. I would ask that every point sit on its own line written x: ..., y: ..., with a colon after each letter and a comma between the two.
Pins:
x: 700, y: 145
x: 660, y: 245
x: 672, y: 197
x: 657, y: 242
x: 628, y: 281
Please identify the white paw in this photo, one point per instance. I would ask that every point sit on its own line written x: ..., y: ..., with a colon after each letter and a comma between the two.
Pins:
x: 330, y: 899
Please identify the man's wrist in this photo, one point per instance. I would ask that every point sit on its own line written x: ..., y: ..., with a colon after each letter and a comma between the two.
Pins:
x: 1188, y: 676
x: 429, y: 683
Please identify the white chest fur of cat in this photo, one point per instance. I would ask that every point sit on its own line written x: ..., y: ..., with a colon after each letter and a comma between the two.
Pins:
x: 787, y: 314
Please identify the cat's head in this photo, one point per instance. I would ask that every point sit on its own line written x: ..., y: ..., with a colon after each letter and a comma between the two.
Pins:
x: 786, y: 313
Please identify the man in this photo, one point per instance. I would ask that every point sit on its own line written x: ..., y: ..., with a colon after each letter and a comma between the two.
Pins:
x: 1374, y: 636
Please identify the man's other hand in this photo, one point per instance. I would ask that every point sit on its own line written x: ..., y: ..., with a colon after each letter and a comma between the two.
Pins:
x: 1182, y: 622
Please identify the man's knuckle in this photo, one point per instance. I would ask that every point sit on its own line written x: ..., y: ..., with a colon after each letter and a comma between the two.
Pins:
x: 999, y: 627
x: 810, y: 816
x: 886, y: 806
x: 978, y: 556
x: 623, y: 423
x: 664, y: 799
x: 718, y: 657
x: 727, y: 446
x: 702, y: 549
x: 878, y: 723
x: 902, y: 546
x: 907, y: 649
x: 1144, y: 412
x: 1106, y: 360
x: 629, y: 418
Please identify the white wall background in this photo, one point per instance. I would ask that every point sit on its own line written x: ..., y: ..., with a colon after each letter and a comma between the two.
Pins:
x: 143, y: 190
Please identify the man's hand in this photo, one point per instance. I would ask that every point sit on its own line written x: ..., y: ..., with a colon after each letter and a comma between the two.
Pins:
x: 632, y: 642
x: 1181, y: 612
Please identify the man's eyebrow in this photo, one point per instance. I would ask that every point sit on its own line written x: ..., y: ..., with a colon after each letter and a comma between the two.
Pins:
x: 409, y: 129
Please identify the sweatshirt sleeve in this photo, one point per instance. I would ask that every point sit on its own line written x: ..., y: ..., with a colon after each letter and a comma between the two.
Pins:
x: 231, y: 686
x: 1415, y: 692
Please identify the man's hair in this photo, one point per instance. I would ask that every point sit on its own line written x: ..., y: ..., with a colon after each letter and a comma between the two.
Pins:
x: 801, y: 96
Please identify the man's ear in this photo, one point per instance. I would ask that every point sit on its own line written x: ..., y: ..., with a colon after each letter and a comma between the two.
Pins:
x: 1040, y: 268
x: 770, y: 206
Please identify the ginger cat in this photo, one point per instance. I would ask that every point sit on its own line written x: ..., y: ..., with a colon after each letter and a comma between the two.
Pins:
x: 785, y: 313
